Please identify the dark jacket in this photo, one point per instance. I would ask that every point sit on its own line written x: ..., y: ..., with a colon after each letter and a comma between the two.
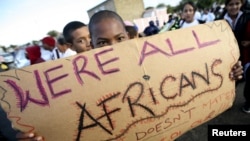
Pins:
x: 242, y: 33
x: 152, y: 29
x: 7, y: 133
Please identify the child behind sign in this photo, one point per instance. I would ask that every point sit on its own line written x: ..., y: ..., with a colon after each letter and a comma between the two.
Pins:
x: 107, y: 28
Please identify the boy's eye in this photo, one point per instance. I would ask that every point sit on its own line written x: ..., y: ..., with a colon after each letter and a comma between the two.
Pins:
x: 102, y: 43
x: 121, y: 38
x: 82, y: 41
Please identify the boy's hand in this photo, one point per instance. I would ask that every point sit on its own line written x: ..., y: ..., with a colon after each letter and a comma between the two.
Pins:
x: 28, y: 137
x: 236, y: 72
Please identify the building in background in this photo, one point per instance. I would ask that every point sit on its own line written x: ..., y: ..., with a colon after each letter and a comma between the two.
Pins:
x: 127, y: 9
x: 133, y: 11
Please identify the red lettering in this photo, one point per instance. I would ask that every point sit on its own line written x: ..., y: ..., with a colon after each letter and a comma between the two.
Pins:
x: 196, y: 123
x: 175, y: 134
x: 209, y: 116
x: 189, y: 111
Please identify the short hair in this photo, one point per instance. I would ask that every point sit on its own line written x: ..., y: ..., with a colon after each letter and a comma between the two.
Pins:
x: 69, y: 28
x: 132, y: 32
x: 61, y: 40
x: 227, y: 2
x: 101, y: 15
x: 190, y: 3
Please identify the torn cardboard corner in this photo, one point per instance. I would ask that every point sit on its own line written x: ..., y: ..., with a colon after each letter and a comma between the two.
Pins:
x: 151, y: 88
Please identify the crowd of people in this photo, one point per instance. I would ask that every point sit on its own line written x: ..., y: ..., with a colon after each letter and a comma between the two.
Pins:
x: 108, y: 28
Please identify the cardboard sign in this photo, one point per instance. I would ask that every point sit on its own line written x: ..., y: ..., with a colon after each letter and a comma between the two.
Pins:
x: 154, y: 88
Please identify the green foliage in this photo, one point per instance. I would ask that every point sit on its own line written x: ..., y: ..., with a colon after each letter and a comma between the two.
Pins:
x: 53, y: 33
x: 13, y: 46
x: 160, y: 5
x: 3, y: 48
x: 35, y: 42
x: 200, y: 4
x: 148, y: 8
x: 170, y: 9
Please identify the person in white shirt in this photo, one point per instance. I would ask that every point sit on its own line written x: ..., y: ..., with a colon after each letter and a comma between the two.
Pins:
x: 197, y: 15
x: 207, y: 16
x: 63, y: 48
x: 188, y: 13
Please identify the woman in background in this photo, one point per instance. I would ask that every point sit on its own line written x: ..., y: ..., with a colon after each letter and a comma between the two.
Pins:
x: 188, y: 18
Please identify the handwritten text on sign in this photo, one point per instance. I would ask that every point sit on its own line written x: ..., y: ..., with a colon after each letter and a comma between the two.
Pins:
x: 153, y: 88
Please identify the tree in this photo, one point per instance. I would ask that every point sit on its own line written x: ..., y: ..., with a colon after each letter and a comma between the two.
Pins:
x: 202, y: 4
x: 161, y: 5
x: 53, y: 33
x: 35, y: 42
x: 149, y: 8
x: 170, y: 9
x: 2, y: 48
x: 220, y: 1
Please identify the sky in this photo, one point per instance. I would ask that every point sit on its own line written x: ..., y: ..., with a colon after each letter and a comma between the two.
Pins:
x: 25, y: 20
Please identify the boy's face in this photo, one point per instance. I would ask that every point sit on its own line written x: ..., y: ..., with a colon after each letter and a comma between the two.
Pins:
x: 81, y: 40
x: 108, y: 32
x: 233, y: 7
